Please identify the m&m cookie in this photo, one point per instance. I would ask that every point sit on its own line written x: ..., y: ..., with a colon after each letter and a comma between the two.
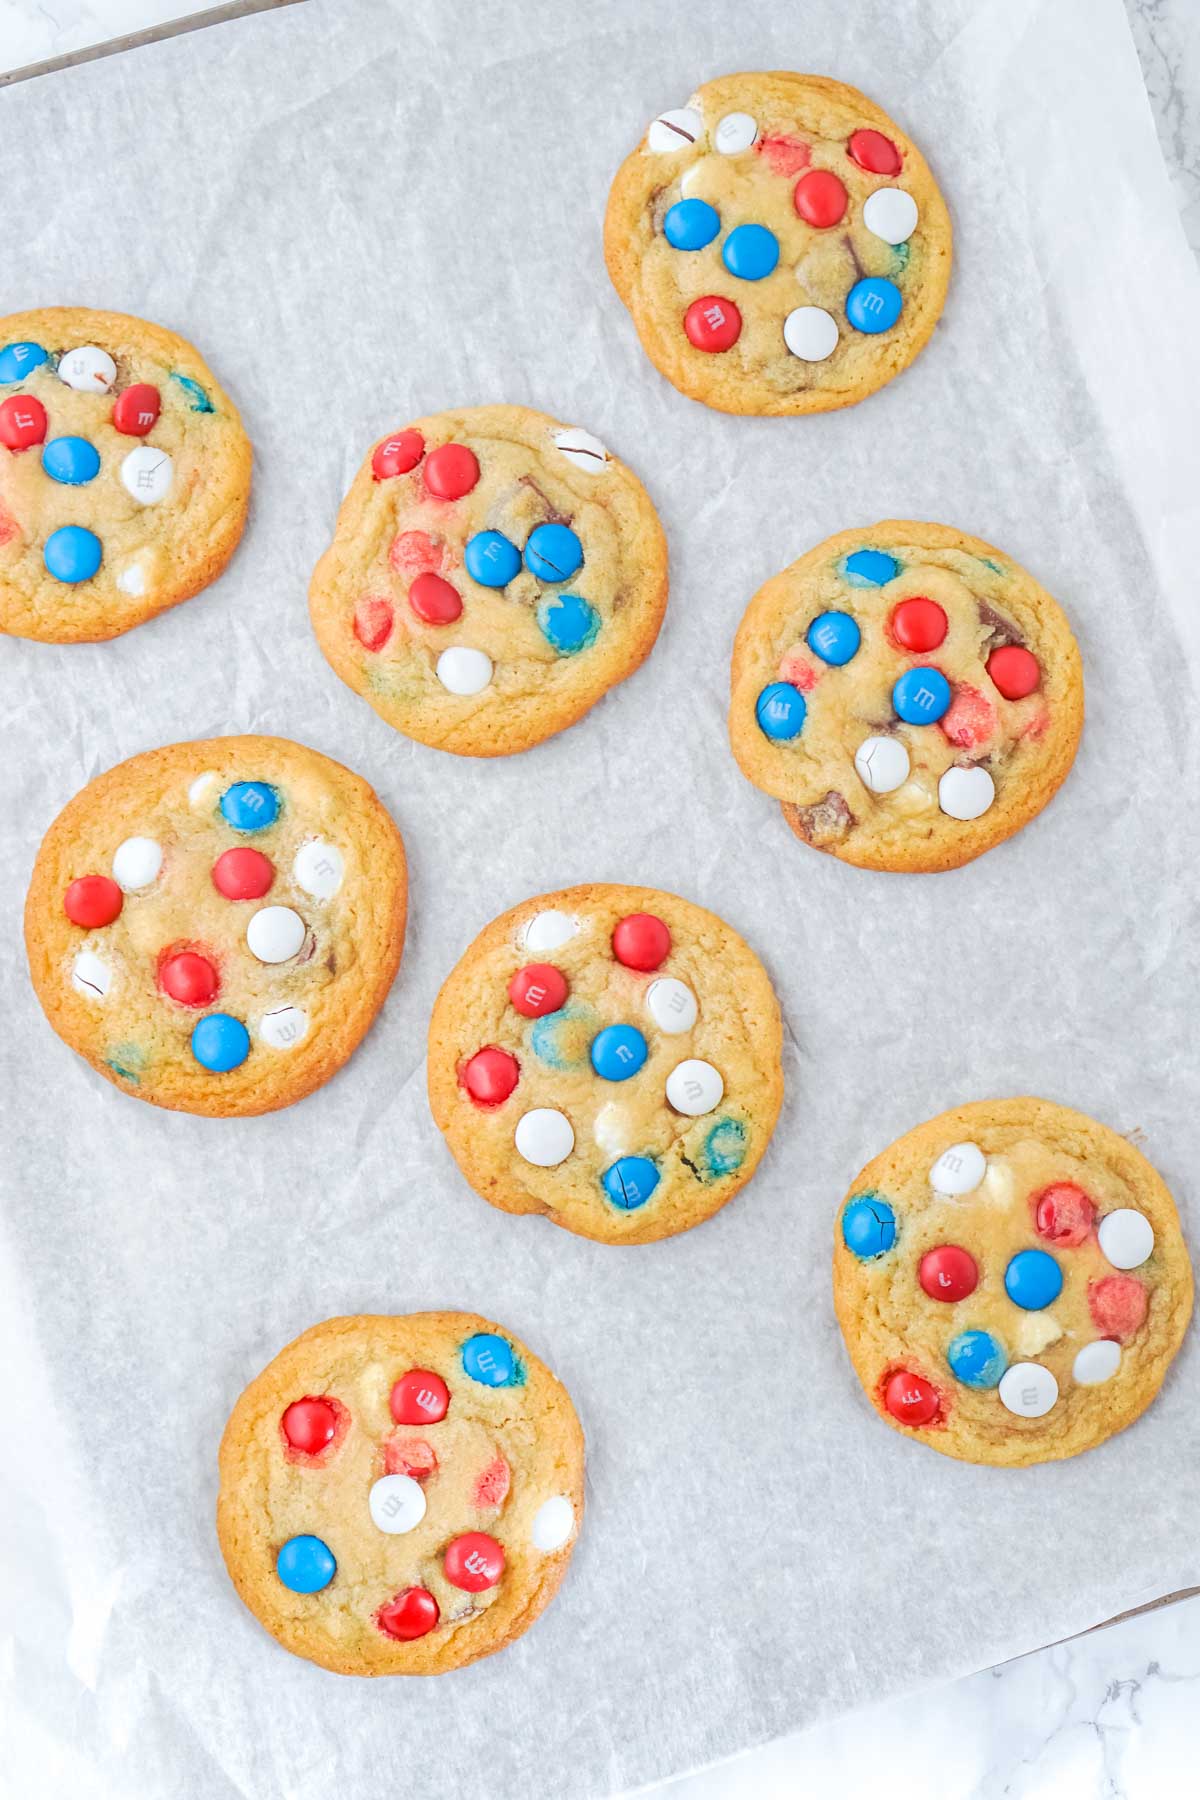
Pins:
x: 213, y: 926
x: 400, y: 1496
x: 1011, y: 1282
x: 124, y: 473
x: 780, y: 243
x: 608, y: 1057
x: 910, y: 694
x: 491, y: 575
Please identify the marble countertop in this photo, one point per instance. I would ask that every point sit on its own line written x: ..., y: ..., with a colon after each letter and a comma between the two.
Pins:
x: 1110, y: 1714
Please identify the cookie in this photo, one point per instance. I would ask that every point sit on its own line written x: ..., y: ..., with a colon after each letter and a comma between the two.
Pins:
x: 492, y: 574
x: 909, y: 693
x: 400, y: 1496
x: 780, y: 243
x: 1011, y: 1282
x: 608, y: 1057
x: 124, y: 473
x: 213, y: 926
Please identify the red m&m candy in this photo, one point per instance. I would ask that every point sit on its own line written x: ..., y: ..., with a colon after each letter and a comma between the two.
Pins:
x: 970, y: 719
x: 820, y: 198
x: 136, y: 410
x: 410, y: 1615
x: 22, y: 422
x: 397, y: 455
x: 243, y: 874
x: 1118, y: 1305
x: 874, y: 153
x: 188, y: 978
x: 641, y: 941
x: 1014, y: 670
x: 434, y: 600
x: 910, y: 1398
x: 92, y: 901
x: 451, y: 471
x: 419, y: 1398
x: 413, y: 1457
x: 948, y: 1273
x: 1064, y: 1215
x: 491, y: 1075
x: 712, y: 323
x: 919, y: 624
x: 309, y: 1425
x: 473, y: 1562
x: 491, y: 1485
x: 373, y: 620
x: 537, y: 989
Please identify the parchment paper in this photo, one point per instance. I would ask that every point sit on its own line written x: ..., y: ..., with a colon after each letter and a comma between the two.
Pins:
x: 366, y: 211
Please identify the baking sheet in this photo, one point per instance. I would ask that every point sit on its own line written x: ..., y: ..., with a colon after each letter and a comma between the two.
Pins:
x: 365, y: 211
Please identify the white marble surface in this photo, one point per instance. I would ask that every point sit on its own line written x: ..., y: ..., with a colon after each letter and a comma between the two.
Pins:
x: 1108, y: 1716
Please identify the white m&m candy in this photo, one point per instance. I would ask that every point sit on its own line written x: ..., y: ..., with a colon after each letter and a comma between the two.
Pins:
x: 136, y: 863
x: 672, y: 1005
x: 581, y: 449
x: 318, y: 868
x: 275, y: 934
x: 146, y: 473
x: 284, y: 1027
x: 462, y: 670
x: 553, y: 1523
x: 958, y: 1170
x: 397, y: 1504
x: 1028, y: 1390
x: 735, y: 132
x: 882, y: 763
x: 694, y: 1087
x: 132, y: 579
x: 1126, y: 1237
x: 92, y: 977
x: 202, y: 791
x: 548, y: 930
x: 810, y: 333
x: 544, y: 1137
x: 1097, y: 1362
x: 676, y: 129
x: 966, y: 793
x: 890, y: 214
x: 88, y: 368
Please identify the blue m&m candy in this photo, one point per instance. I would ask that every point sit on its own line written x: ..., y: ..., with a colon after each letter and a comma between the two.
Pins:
x: 870, y: 568
x: 72, y: 553
x: 1033, y: 1279
x: 630, y: 1181
x: 220, y: 1043
x: 18, y: 360
x: 568, y: 622
x: 71, y: 460
x: 868, y: 1227
x: 250, y: 805
x: 305, y: 1565
x: 835, y: 637
x: 977, y: 1359
x: 197, y: 399
x: 921, y: 696
x: 780, y: 711
x: 873, y: 305
x: 553, y: 552
x: 491, y: 1360
x: 690, y: 224
x: 750, y: 252
x: 618, y: 1052
x: 491, y: 559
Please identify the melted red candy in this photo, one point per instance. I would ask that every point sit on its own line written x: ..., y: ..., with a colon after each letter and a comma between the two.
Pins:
x: 434, y: 600
x: 473, y: 1562
x: 136, y: 410
x: 490, y: 1076
x: 712, y: 323
x: 784, y: 155
x: 397, y: 455
x: 910, y: 1398
x: 820, y: 198
x: 451, y: 471
x: 970, y: 719
x: 874, y: 153
x: 1014, y: 670
x: 419, y: 1398
x: 799, y: 672
x: 948, y: 1273
x: 491, y: 1487
x: 9, y: 529
x: 641, y: 941
x: 1064, y: 1215
x: 413, y: 552
x: 919, y: 624
x: 537, y: 989
x: 22, y: 423
x: 188, y: 978
x: 309, y: 1425
x: 373, y: 619
x: 1118, y: 1305
x: 413, y: 1457
x: 410, y: 1615
x: 92, y: 901
x: 243, y: 874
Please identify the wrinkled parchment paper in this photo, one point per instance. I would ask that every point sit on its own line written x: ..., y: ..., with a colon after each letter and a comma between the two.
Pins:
x: 366, y: 211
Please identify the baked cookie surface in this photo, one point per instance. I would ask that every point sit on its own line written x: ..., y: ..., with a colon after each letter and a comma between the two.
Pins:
x: 609, y: 1057
x: 214, y: 925
x: 1011, y: 1282
x: 780, y: 243
x: 910, y: 694
x: 400, y: 1496
x: 492, y: 574
x: 124, y: 473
